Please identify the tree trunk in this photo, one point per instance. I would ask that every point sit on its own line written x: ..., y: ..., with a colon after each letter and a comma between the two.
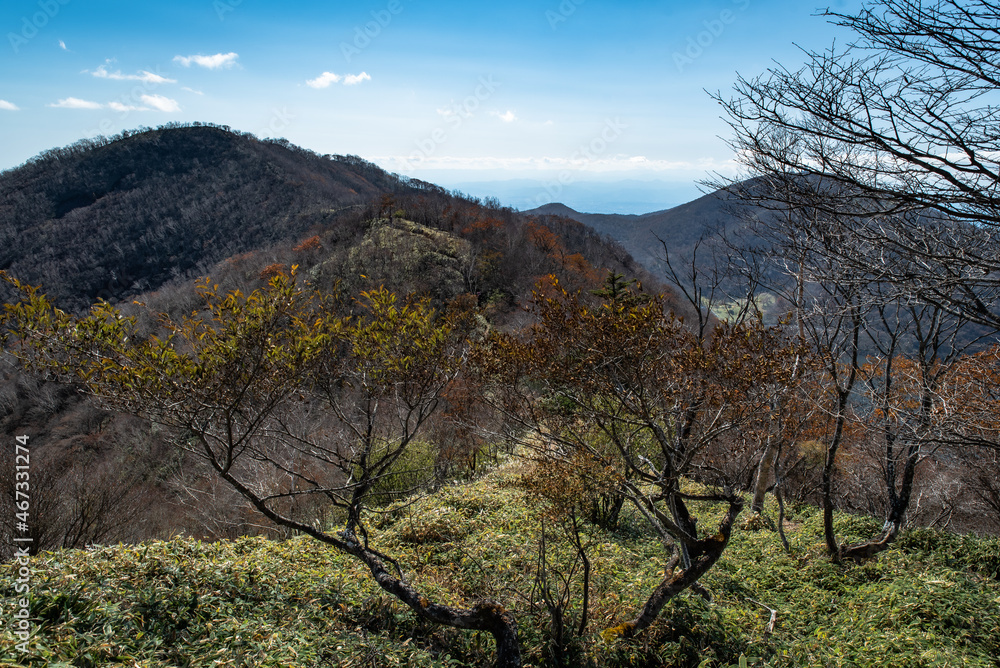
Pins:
x: 829, y: 534
x: 704, y: 553
x: 487, y: 616
x: 895, y: 519
x: 860, y: 552
x: 764, y: 475
x: 687, y: 524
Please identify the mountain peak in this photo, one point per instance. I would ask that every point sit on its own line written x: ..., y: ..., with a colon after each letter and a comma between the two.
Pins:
x: 555, y: 209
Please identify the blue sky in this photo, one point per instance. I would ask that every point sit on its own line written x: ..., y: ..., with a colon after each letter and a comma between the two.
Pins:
x: 556, y: 91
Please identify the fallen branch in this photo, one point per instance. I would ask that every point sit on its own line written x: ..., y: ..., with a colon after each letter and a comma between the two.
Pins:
x: 774, y: 616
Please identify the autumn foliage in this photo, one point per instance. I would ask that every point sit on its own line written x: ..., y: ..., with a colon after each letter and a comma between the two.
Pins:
x: 624, y: 401
x: 286, y: 399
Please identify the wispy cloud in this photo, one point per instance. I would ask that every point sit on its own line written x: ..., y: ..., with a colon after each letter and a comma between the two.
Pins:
x: 192, y: 90
x: 507, y: 117
x: 151, y: 102
x: 327, y: 78
x: 160, y: 103
x: 218, y: 61
x: 352, y: 79
x: 76, y: 103
x: 8, y: 106
x: 62, y: 45
x: 124, y: 108
x: 144, y: 75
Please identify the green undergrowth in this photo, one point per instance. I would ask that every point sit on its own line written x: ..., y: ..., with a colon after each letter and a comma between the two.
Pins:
x: 932, y: 600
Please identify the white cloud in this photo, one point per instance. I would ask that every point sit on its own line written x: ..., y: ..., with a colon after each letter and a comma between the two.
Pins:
x: 124, y: 108
x: 62, y: 45
x: 218, y: 61
x: 8, y: 106
x: 352, y: 79
x: 324, y: 80
x: 508, y: 117
x: 76, y: 103
x: 192, y: 90
x: 160, y: 103
x: 144, y: 76
x: 151, y: 102
x: 149, y: 77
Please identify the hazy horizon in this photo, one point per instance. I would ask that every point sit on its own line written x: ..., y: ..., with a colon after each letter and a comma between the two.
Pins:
x: 625, y: 196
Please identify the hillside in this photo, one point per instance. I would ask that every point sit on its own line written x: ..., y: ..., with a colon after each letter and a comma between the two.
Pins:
x: 111, y: 218
x: 679, y: 227
x: 930, y: 601
x: 143, y: 215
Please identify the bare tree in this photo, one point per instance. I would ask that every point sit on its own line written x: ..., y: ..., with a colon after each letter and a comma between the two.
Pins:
x: 916, y: 349
x: 729, y: 286
x: 623, y: 397
x: 898, y: 132
x: 884, y: 156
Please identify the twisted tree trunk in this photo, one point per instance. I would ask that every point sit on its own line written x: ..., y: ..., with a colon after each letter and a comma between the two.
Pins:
x: 703, y: 554
x: 485, y: 615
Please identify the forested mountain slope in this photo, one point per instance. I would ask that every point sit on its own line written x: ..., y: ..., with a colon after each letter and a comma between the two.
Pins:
x: 113, y: 217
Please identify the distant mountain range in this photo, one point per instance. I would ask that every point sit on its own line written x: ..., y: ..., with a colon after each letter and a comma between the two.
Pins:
x: 629, y: 196
x: 644, y: 236
x: 109, y: 218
